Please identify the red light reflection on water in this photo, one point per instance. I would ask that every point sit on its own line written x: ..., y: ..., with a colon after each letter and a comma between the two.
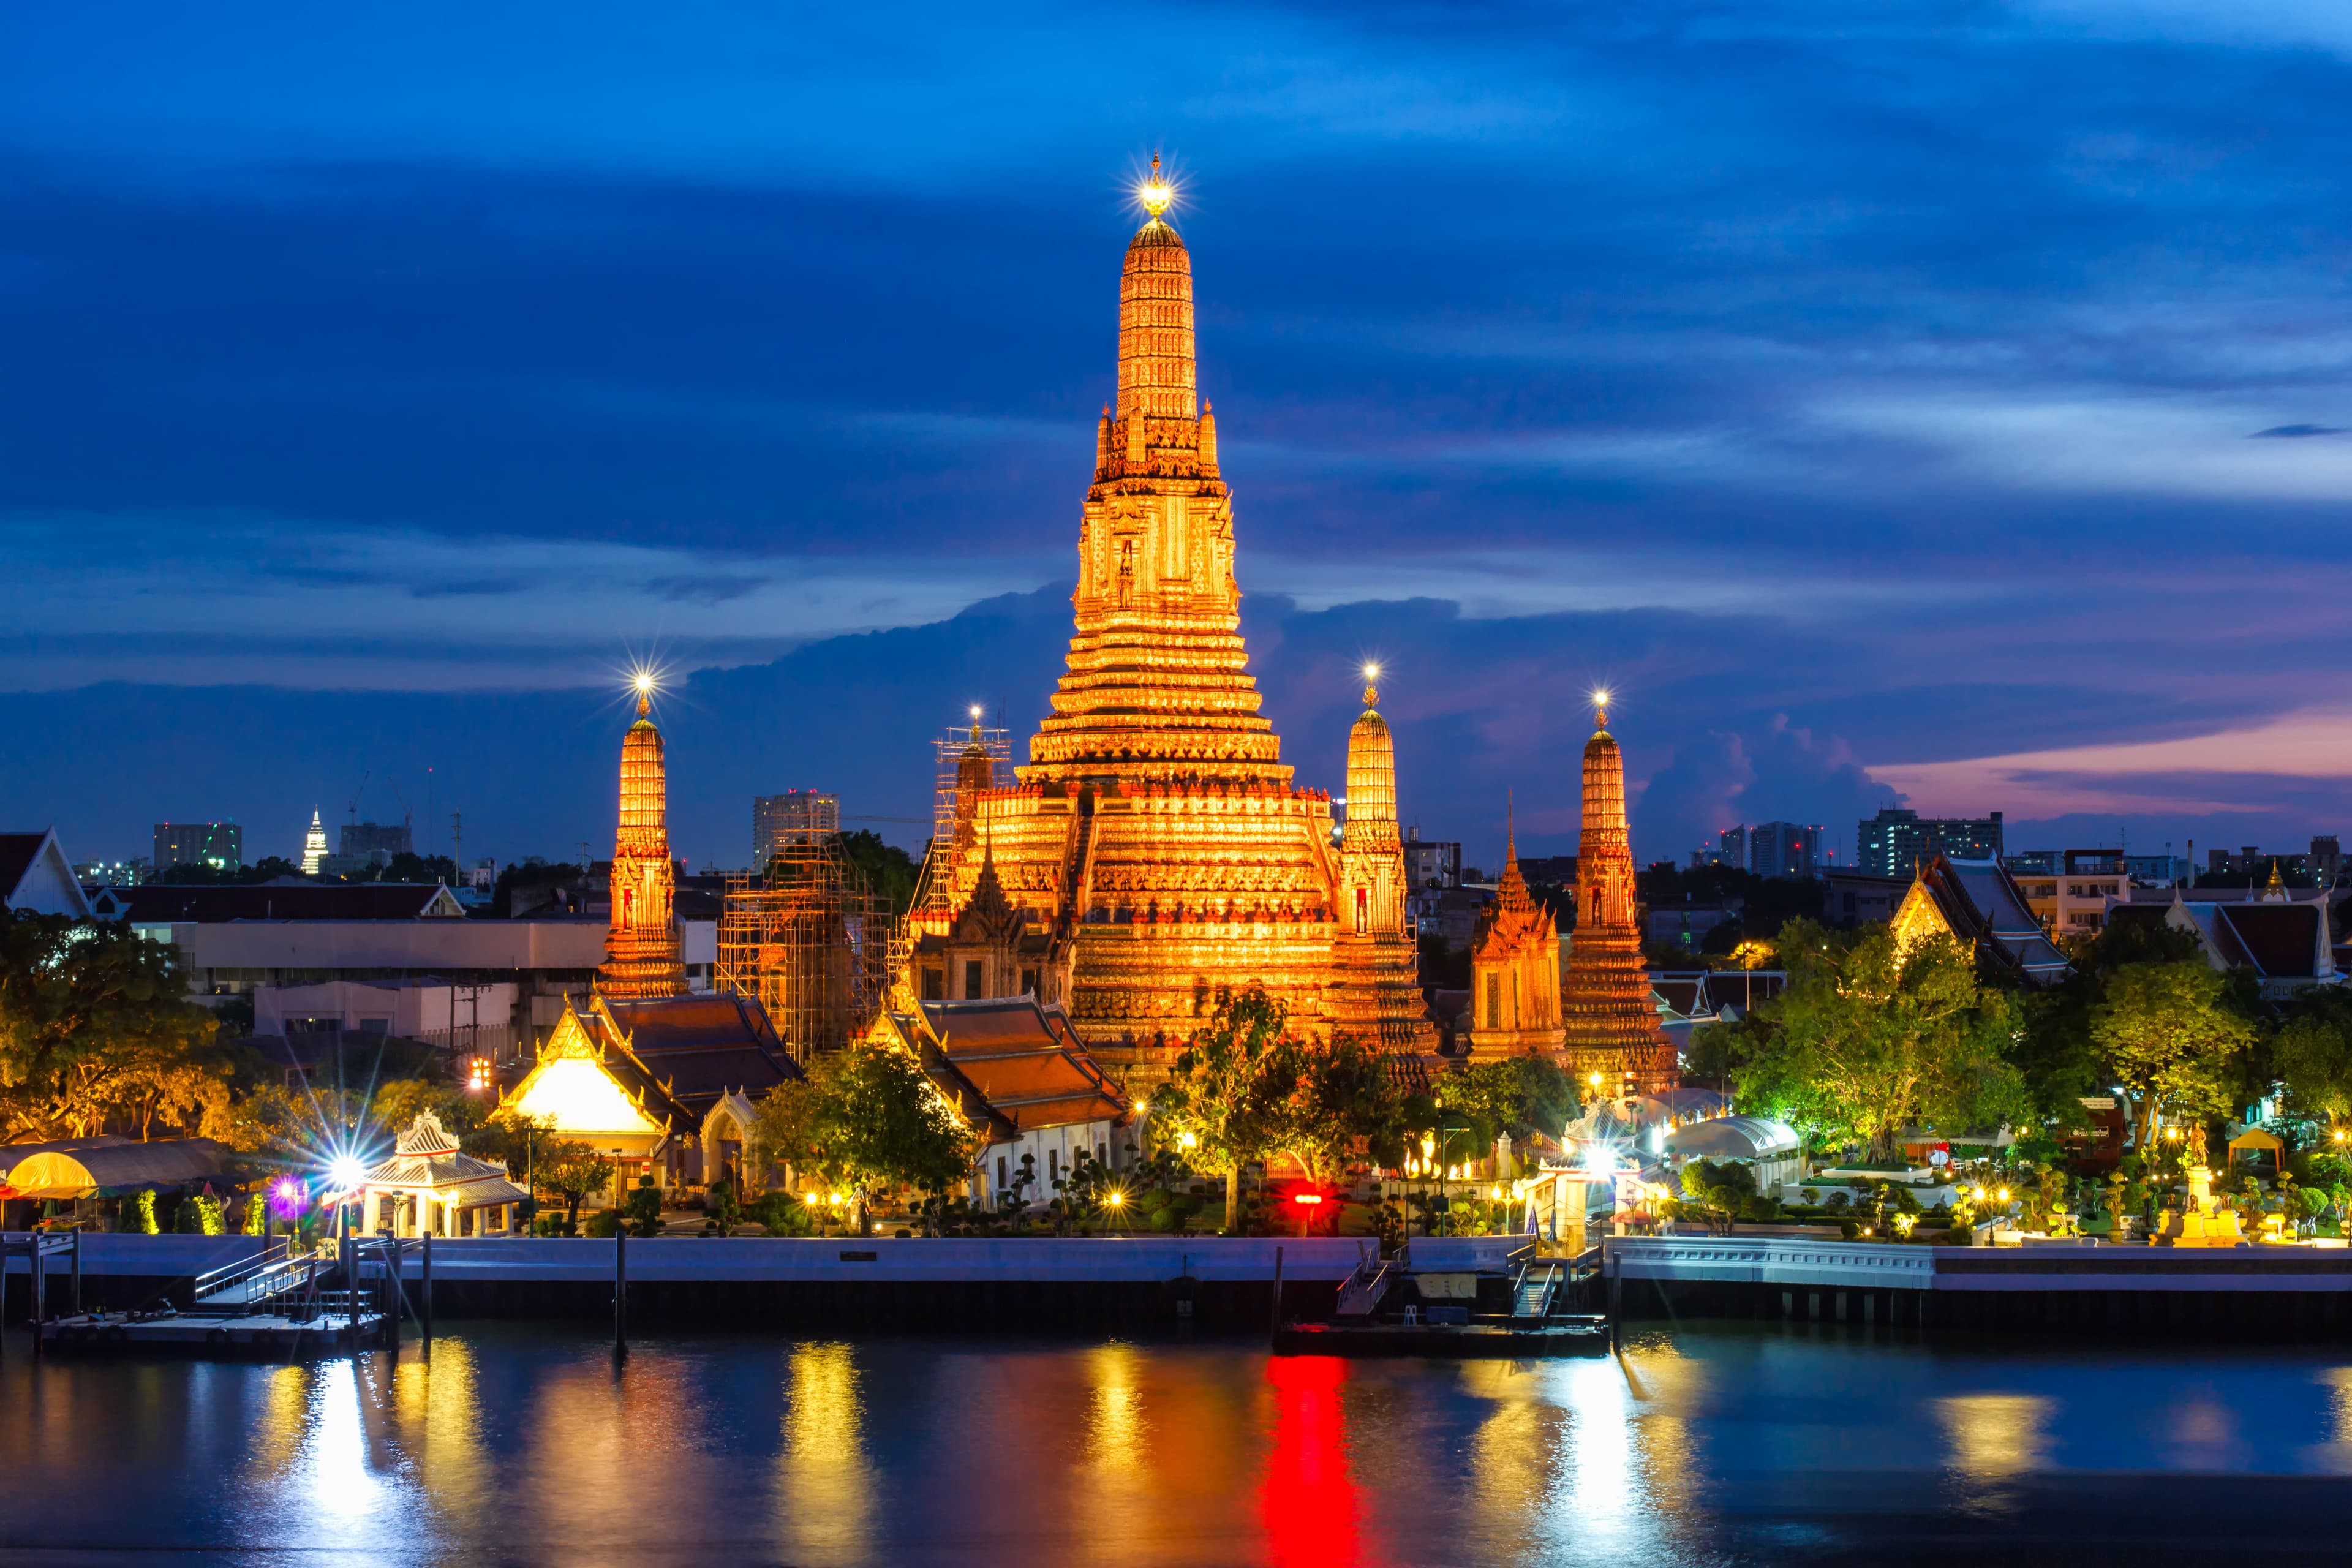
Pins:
x: 1308, y: 1502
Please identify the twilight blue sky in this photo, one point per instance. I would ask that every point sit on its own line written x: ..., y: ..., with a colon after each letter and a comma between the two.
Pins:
x: 1946, y: 401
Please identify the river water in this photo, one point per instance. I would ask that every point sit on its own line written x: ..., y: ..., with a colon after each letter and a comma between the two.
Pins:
x: 1723, y: 1444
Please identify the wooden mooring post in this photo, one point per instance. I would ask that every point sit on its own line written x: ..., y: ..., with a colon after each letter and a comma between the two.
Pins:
x: 425, y: 1290
x: 1276, y: 1327
x: 620, y: 1292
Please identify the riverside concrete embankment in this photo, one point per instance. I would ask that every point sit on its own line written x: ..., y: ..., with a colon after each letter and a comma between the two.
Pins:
x: 1027, y: 1285
x: 2261, y: 1292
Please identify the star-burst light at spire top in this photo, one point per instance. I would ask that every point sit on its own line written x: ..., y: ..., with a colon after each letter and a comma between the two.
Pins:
x: 1156, y: 192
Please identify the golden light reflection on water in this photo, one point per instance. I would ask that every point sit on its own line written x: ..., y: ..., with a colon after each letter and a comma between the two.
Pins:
x: 1117, y: 1433
x: 436, y: 1406
x: 1996, y: 1435
x: 1991, y: 1439
x: 826, y: 1487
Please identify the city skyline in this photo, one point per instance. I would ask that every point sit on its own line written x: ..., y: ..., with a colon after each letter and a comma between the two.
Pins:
x: 1653, y: 370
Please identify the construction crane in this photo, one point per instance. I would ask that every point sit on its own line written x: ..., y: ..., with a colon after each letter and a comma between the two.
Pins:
x: 353, y: 809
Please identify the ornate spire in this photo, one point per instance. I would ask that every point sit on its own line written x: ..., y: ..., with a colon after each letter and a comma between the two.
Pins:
x: 642, y: 948
x: 1157, y: 686
x: 1371, y: 776
x: 1612, y: 1023
x: 314, y: 847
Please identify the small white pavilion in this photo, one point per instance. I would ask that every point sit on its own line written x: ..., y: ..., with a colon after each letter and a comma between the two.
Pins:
x: 429, y: 1188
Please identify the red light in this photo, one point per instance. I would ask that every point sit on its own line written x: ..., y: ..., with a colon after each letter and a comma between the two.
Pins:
x: 1306, y: 1197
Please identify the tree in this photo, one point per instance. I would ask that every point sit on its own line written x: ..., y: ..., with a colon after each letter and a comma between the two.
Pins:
x: 94, y: 1023
x: 572, y: 1170
x: 2313, y: 1055
x: 1871, y: 1037
x: 867, y: 1119
x: 1326, y: 1102
x: 642, y: 1208
x: 1514, y: 1095
x: 1212, y: 1103
x: 887, y: 869
x: 882, y: 1123
x: 2165, y: 1033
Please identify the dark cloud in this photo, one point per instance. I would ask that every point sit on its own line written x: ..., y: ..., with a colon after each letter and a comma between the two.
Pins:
x: 716, y: 588
x: 463, y: 588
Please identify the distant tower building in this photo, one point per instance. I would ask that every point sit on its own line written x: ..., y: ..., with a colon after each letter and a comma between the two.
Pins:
x: 1515, y: 969
x: 1612, y: 1022
x: 314, y: 847
x: 1784, y: 849
x: 1373, y: 996
x: 1897, y: 842
x: 220, y: 845
x: 796, y: 817
x: 641, y: 955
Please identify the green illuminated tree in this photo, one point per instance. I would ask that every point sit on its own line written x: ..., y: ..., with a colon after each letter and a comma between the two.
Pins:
x: 1215, y: 1105
x: 2313, y: 1055
x: 2166, y: 1033
x: 1870, y: 1037
x: 95, y: 1025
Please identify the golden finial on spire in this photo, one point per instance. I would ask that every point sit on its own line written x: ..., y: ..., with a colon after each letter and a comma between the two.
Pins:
x: 1372, y: 687
x: 1600, y: 707
x: 644, y: 682
x: 1156, y: 194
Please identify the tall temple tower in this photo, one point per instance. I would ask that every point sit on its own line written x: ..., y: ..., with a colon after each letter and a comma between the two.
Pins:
x: 314, y: 845
x: 1612, y: 1023
x: 1515, y: 985
x: 1155, y: 835
x: 1374, y: 962
x: 641, y: 952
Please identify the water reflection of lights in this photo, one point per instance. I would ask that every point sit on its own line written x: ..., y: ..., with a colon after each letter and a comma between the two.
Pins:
x: 438, y: 1403
x: 1993, y: 1439
x: 1308, y: 1505
x: 1117, y: 1432
x: 1600, y: 1487
x: 826, y: 1490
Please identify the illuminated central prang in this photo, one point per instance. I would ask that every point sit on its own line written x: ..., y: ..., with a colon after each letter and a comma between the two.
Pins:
x: 642, y: 952
x: 1155, y: 847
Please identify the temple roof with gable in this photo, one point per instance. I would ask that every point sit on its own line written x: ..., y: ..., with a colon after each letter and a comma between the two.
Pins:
x: 1979, y: 902
x: 1019, y: 1059
x: 704, y: 1044
x: 593, y: 1040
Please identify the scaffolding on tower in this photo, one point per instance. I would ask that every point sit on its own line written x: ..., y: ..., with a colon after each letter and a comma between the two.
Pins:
x: 812, y: 941
x: 970, y: 759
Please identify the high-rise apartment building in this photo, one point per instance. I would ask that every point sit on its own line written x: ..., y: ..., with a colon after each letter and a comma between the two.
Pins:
x: 220, y: 845
x: 796, y: 817
x: 1784, y: 848
x: 375, y: 841
x: 1896, y: 841
x: 1431, y: 862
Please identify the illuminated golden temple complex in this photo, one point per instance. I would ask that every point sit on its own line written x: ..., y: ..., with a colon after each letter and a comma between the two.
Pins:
x: 1155, y: 847
x: 1611, y: 1021
x: 641, y: 954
